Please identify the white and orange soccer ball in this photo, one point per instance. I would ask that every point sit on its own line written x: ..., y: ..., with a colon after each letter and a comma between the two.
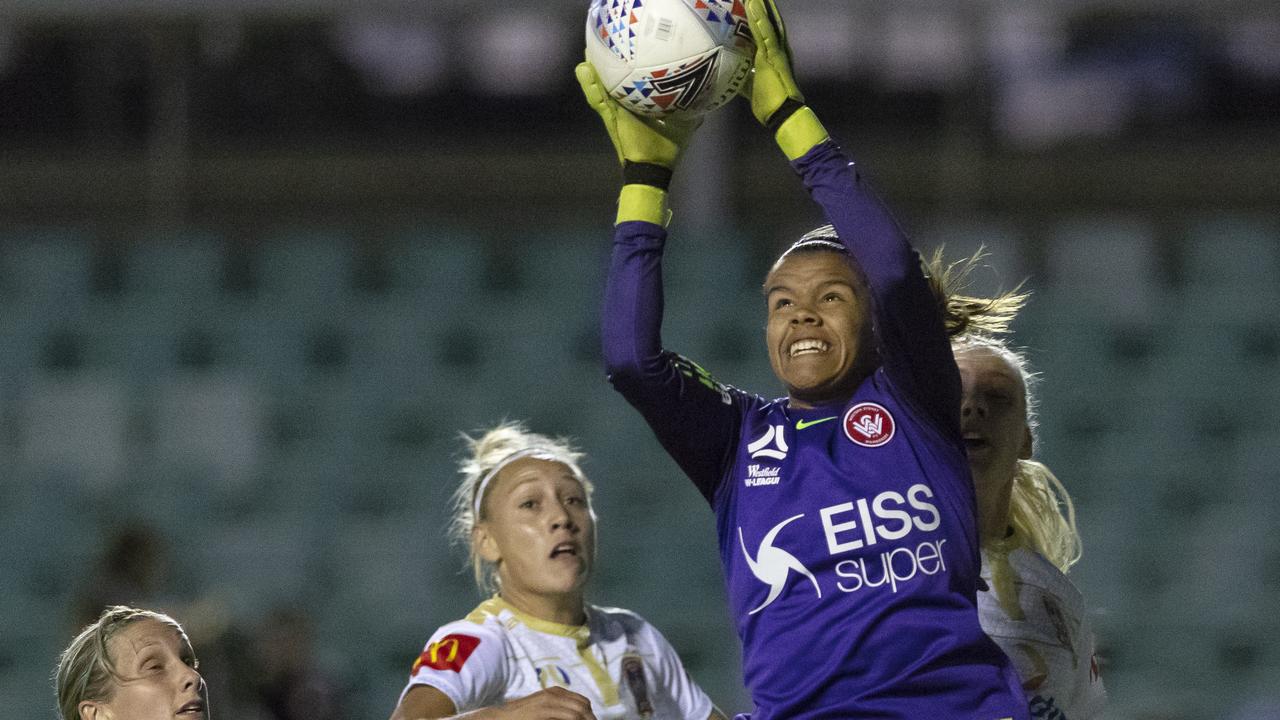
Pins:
x: 661, y: 57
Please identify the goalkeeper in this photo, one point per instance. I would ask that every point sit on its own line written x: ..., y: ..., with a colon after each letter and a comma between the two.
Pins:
x: 845, y: 511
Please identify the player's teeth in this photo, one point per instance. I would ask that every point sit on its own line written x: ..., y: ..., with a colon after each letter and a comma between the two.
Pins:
x: 807, y: 346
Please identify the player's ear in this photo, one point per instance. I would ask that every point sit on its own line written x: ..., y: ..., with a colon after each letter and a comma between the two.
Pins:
x: 91, y: 710
x: 1028, y: 444
x: 485, y: 544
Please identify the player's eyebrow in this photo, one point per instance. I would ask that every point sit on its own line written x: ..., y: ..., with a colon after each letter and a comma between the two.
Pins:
x: 771, y: 289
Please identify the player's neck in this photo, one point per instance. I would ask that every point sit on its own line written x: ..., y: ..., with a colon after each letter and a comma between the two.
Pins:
x: 994, y: 517
x: 566, y: 609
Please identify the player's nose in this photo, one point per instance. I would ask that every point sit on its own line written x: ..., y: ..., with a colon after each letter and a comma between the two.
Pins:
x: 562, y: 518
x: 971, y: 405
x: 805, y: 316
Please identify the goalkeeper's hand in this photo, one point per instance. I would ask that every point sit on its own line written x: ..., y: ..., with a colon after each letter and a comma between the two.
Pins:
x: 647, y: 148
x: 776, y: 100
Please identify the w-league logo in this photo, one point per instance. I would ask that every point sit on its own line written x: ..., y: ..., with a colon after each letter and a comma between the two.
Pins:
x: 773, y: 435
x: 869, y: 425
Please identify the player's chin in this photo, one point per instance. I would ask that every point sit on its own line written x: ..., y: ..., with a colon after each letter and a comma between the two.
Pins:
x: 568, y: 575
x: 813, y: 387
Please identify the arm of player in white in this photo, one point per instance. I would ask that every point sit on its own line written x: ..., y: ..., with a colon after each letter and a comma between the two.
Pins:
x: 427, y: 703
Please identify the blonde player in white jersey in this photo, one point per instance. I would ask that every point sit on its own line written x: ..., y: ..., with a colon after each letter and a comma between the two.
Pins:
x: 1030, y: 608
x: 537, y: 649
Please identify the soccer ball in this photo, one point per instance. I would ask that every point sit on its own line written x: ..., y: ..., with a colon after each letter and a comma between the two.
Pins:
x: 662, y: 57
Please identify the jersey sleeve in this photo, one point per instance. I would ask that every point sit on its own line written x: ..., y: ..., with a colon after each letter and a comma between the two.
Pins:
x: 693, y: 703
x: 466, y: 662
x: 694, y: 417
x: 1091, y: 693
x: 913, y: 343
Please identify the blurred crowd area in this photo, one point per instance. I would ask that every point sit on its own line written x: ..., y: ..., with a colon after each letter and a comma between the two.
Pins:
x: 260, y: 265
x: 175, y: 112
x: 302, y: 72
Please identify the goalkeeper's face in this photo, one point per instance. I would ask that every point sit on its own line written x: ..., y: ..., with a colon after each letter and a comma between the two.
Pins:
x: 819, y: 326
x: 538, y: 529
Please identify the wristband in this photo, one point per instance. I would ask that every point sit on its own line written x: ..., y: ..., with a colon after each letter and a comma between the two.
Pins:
x: 643, y: 173
x: 784, y: 111
x: 643, y: 202
x: 799, y: 132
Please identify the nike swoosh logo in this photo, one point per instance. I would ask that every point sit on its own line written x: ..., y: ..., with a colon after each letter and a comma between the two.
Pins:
x: 802, y: 424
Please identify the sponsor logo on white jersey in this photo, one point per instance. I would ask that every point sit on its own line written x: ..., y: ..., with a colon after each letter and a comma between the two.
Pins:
x: 772, y: 565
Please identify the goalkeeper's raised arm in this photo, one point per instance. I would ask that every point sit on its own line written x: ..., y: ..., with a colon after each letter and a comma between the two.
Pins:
x: 845, y: 509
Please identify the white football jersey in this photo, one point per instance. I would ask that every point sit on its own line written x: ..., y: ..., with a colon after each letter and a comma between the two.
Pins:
x: 620, y: 662
x: 1038, y: 618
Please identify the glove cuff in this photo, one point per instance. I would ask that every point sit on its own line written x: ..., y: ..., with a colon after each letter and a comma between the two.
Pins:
x: 799, y: 132
x: 643, y: 202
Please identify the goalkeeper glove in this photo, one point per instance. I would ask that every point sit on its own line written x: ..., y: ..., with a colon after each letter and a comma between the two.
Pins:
x: 776, y: 100
x: 647, y: 148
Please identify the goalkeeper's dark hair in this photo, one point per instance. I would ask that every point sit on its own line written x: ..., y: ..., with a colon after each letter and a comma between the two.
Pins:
x: 961, y: 313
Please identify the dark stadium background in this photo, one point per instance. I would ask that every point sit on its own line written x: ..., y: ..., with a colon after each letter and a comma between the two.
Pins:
x: 261, y: 262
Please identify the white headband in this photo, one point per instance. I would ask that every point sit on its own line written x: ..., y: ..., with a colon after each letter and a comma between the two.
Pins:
x: 539, y: 453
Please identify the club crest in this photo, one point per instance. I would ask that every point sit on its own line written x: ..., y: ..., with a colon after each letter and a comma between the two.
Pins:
x: 869, y: 425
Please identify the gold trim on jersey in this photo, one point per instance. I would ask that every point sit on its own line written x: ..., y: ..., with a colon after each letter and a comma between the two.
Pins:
x: 580, y: 634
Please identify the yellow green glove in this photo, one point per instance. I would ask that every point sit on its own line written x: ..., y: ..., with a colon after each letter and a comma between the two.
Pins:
x: 776, y: 100
x: 647, y: 148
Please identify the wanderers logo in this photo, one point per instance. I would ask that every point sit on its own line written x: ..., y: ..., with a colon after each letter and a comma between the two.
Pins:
x: 869, y: 425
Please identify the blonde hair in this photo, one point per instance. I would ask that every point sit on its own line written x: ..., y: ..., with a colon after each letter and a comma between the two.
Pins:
x: 1040, y: 509
x: 86, y: 669
x: 486, y: 456
x: 963, y: 314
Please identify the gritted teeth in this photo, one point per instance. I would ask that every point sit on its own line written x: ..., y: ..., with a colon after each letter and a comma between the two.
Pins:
x: 194, y: 707
x: 807, y: 347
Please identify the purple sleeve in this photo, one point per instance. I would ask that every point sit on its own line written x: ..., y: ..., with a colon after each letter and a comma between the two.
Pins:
x: 914, y: 347
x: 695, y: 418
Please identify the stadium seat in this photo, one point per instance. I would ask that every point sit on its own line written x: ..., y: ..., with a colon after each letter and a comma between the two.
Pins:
x: 1005, y: 264
x: 184, y: 266
x: 76, y: 424
x: 48, y: 269
x: 305, y: 267
x: 1105, y: 268
x: 561, y: 267
x: 1227, y: 251
x: 212, y: 424
x: 266, y: 562
x: 1253, y: 468
x: 436, y: 269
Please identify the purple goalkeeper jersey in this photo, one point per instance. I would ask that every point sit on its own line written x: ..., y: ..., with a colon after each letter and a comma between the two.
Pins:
x: 847, y: 531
